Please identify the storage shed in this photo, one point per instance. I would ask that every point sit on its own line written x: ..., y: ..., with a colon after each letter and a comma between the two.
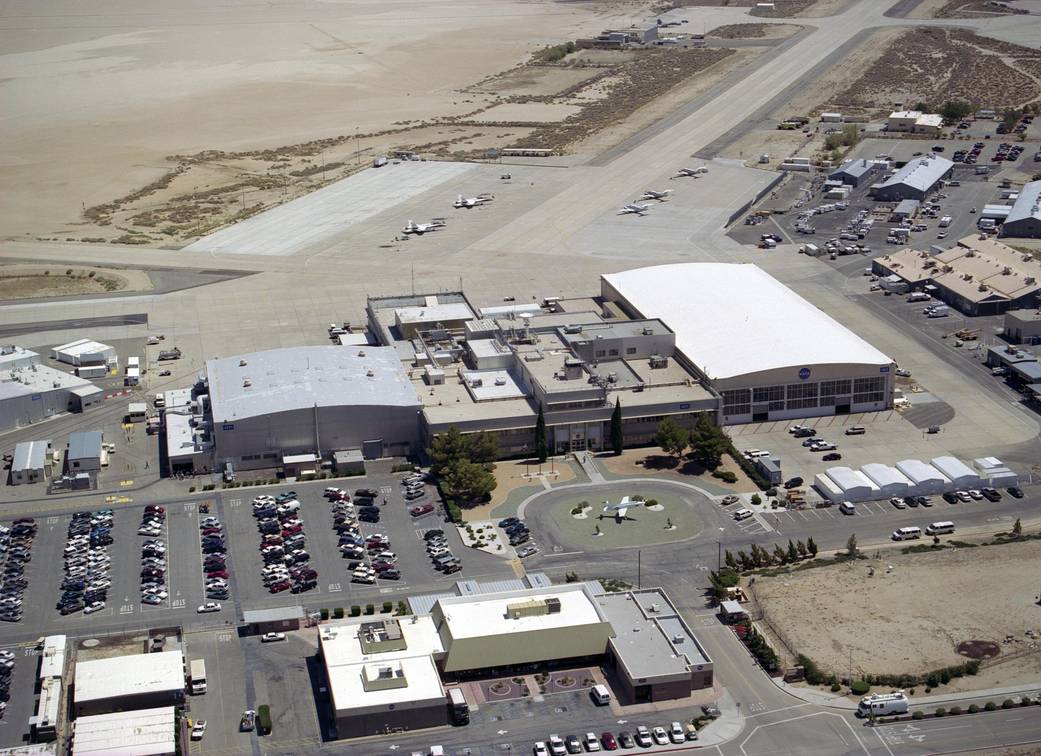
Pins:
x: 994, y: 471
x: 32, y: 462
x: 960, y: 474
x: 854, y: 484
x: 890, y: 481
x: 84, y: 454
x: 926, y: 478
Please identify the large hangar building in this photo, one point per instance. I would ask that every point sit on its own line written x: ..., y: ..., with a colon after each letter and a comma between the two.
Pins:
x: 310, y: 400
x: 768, y: 352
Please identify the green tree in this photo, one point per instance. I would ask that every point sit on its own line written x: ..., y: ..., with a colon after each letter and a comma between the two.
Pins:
x: 540, y: 436
x: 616, y: 428
x: 708, y: 442
x: 1017, y: 529
x: 756, y: 500
x: 743, y: 559
x: 1010, y: 117
x: 780, y: 555
x: 851, y: 546
x: 793, y: 553
x: 482, y: 446
x: 671, y: 437
x: 956, y: 110
x: 467, y: 481
x: 811, y: 546
x: 802, y: 549
x: 446, y: 449
x: 730, y: 561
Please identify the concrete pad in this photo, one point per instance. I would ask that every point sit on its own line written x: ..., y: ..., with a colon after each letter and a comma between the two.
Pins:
x: 316, y: 217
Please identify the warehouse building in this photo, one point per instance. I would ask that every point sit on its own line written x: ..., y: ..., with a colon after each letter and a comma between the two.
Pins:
x: 266, y: 406
x: 147, y: 732
x: 392, y: 673
x: 32, y: 462
x: 910, y: 477
x: 783, y: 358
x: 915, y: 180
x: 43, y: 724
x: 1024, y: 220
x: 979, y: 276
x: 31, y: 392
x: 126, y: 683
x: 492, y: 373
x: 85, y: 452
x: 854, y: 172
x: 1023, y: 326
x: 84, y: 352
x: 188, y: 431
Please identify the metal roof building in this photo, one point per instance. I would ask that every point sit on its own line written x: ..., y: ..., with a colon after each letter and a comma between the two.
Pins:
x: 146, y: 732
x: 84, y: 452
x: 956, y: 471
x: 32, y: 459
x: 926, y: 478
x: 782, y: 358
x: 845, y: 484
x: 1024, y: 220
x: 852, y: 172
x: 890, y: 481
x: 83, y: 352
x: 124, y: 683
x: 312, y: 399
x: 915, y: 180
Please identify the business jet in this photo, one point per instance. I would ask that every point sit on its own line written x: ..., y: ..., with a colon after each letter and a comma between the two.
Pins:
x: 421, y: 228
x: 650, y: 194
x: 470, y: 202
x: 692, y: 172
x: 635, y: 209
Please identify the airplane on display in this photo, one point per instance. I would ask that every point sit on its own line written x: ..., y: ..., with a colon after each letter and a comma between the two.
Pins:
x: 634, y: 209
x: 619, y: 510
x: 650, y: 194
x: 421, y: 228
x: 692, y: 172
x: 470, y: 202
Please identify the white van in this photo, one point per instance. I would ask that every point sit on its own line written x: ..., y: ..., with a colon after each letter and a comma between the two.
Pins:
x: 907, y: 534
x: 742, y: 514
x: 855, y: 430
x: 848, y: 508
x: 938, y: 528
x: 600, y: 694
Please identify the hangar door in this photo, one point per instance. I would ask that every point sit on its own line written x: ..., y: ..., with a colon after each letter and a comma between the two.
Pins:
x: 372, y: 449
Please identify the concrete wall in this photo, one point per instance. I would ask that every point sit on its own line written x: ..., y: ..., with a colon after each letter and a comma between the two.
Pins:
x: 19, y: 411
x: 526, y: 647
x: 128, y: 703
x: 1028, y: 228
x: 375, y: 723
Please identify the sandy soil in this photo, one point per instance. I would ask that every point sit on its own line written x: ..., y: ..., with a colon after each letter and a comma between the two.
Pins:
x: 754, y: 31
x: 927, y: 9
x: 509, y: 476
x: 529, y: 111
x: 653, y: 461
x: 536, y: 81
x: 903, y: 619
x: 31, y: 281
x: 95, y: 103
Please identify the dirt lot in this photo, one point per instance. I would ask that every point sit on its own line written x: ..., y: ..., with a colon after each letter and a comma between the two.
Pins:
x: 972, y: 9
x: 786, y: 9
x: 754, y: 31
x: 934, y: 65
x: 31, y: 281
x: 653, y: 461
x: 903, y: 619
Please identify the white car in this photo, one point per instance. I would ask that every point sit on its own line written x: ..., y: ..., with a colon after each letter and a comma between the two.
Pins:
x: 591, y: 742
x: 897, y: 502
x: 7, y: 655
x: 556, y: 746
x: 272, y: 637
x: 209, y: 606
x: 963, y: 495
x: 150, y: 598
x: 977, y: 495
x: 199, y: 729
x: 643, y: 737
x: 94, y: 606
x: 159, y: 593
x: 660, y: 736
x: 540, y: 749
x: 676, y: 733
x: 742, y: 514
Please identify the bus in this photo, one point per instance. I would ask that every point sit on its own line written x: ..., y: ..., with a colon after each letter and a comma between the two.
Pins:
x: 457, y: 707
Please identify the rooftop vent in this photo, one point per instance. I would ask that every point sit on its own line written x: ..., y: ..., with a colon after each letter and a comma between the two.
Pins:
x: 247, y: 383
x: 242, y: 363
x: 361, y: 352
x: 370, y: 372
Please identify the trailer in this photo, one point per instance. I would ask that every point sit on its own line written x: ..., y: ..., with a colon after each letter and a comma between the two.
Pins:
x: 169, y: 354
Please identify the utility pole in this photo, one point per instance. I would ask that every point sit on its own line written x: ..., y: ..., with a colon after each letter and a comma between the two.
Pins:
x: 719, y: 556
x: 639, y: 569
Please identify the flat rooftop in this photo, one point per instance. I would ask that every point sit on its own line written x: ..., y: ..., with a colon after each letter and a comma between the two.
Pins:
x: 118, y: 676
x: 615, y: 329
x: 37, y: 379
x: 476, y: 617
x: 651, y: 639
x: 126, y: 733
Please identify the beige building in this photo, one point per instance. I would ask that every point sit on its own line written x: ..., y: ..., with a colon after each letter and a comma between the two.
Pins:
x: 1023, y: 326
x: 915, y: 122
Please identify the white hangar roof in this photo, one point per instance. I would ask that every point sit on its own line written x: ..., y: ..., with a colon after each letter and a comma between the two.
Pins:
x: 731, y: 320
x: 280, y: 380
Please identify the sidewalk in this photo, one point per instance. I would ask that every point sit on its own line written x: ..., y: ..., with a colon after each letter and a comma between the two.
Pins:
x: 839, y: 701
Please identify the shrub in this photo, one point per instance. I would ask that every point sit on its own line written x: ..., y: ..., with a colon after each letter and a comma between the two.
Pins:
x: 370, y: 609
x: 917, y: 715
x: 813, y: 674
x: 955, y: 711
x: 835, y: 687
x: 911, y: 692
x: 990, y: 706
x: 932, y: 681
x: 324, y: 614
x: 1025, y: 701
x: 263, y: 719
x: 941, y: 712
x: 403, y: 608
x: 860, y: 687
x: 973, y: 708
x: 208, y: 487
x: 725, y: 475
x: 338, y: 612
x: 770, y: 492
x: 191, y: 489
x: 1008, y: 703
x: 355, y: 610
x: 387, y: 606
x: 756, y: 499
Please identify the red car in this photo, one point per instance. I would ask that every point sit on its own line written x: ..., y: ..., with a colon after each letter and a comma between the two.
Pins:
x: 218, y: 574
x: 608, y: 741
x: 155, y: 508
x: 273, y: 540
x: 211, y: 531
x: 279, y: 587
x: 286, y: 532
x: 422, y: 509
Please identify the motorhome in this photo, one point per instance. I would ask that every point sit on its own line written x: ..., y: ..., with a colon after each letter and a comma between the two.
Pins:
x: 882, y: 704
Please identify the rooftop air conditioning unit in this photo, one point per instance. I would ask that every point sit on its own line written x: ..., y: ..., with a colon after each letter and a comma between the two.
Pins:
x: 242, y: 363
x: 1029, y: 280
x: 361, y: 352
x: 247, y: 383
x: 648, y: 331
x: 500, y: 381
x: 370, y: 373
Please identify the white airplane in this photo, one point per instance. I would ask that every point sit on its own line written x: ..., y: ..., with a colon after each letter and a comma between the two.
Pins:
x: 421, y: 228
x: 693, y: 172
x: 470, y: 202
x: 634, y: 209
x: 619, y: 510
x: 650, y: 194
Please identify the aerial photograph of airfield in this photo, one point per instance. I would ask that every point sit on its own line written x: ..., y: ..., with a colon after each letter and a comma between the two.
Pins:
x: 482, y: 377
